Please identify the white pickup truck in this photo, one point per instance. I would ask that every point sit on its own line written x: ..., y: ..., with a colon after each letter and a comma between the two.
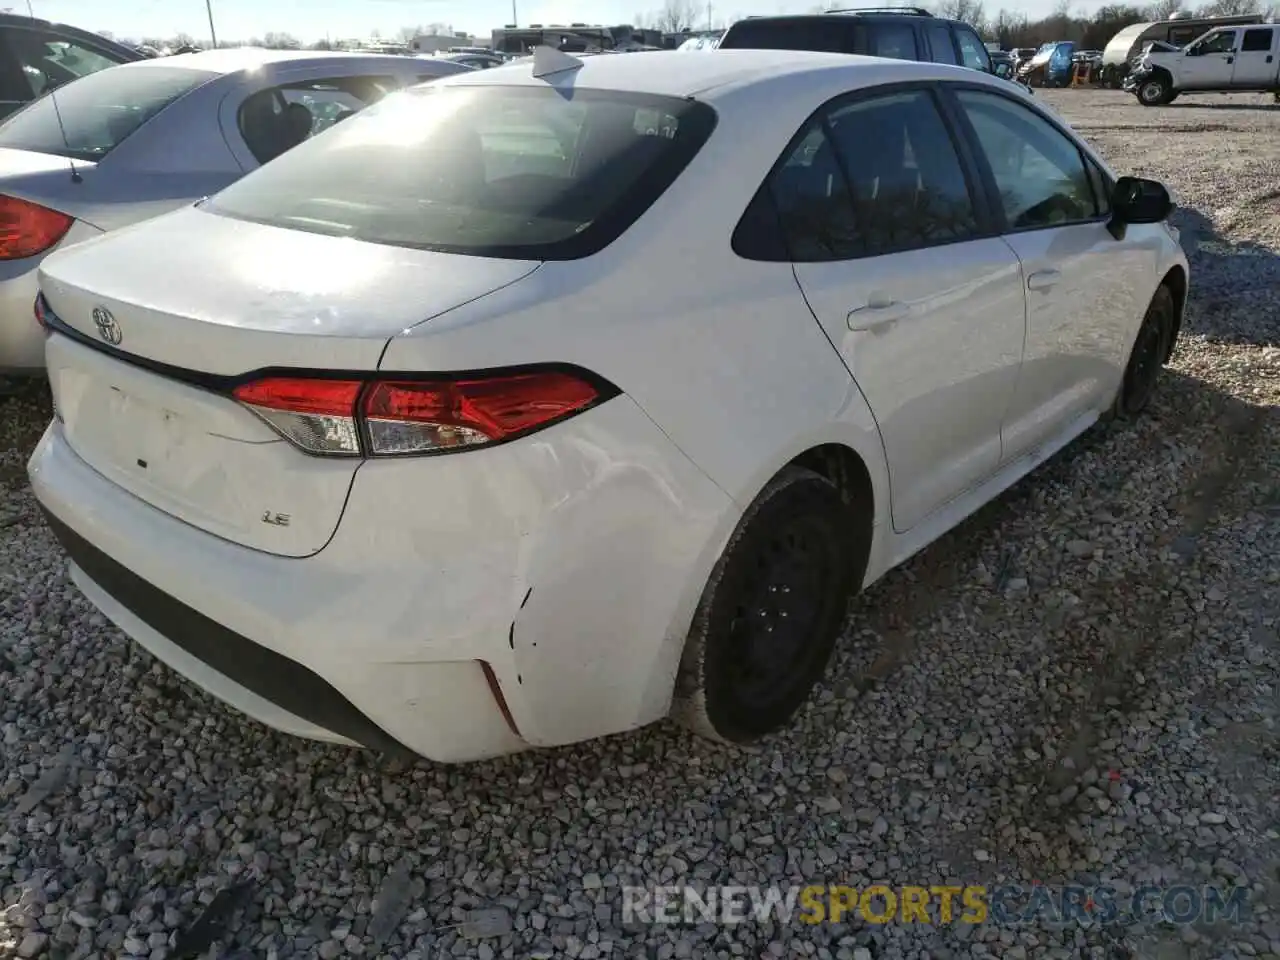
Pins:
x: 1241, y: 59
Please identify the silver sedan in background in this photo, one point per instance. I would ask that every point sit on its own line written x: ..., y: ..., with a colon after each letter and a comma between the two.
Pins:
x: 138, y: 140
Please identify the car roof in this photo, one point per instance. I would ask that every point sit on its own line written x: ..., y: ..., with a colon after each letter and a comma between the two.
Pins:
x: 676, y: 74
x: 846, y: 16
x: 19, y: 20
x: 234, y: 59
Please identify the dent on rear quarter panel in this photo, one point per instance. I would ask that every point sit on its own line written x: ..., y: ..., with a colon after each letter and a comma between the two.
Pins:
x: 570, y: 561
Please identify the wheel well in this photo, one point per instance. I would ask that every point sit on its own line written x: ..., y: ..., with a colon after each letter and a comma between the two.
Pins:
x: 843, y: 467
x: 1176, y: 281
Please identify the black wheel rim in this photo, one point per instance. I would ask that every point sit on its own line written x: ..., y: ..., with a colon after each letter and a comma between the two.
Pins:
x: 783, y: 599
x: 1145, y: 363
x: 1152, y: 92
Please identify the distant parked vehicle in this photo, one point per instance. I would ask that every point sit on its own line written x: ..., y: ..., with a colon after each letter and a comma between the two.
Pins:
x: 123, y: 145
x: 1050, y: 67
x: 899, y: 33
x: 37, y: 56
x: 1244, y: 59
x: 703, y: 42
x: 1126, y: 46
x: 477, y: 61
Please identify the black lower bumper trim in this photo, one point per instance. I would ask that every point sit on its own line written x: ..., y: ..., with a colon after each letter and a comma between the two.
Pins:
x: 284, y: 682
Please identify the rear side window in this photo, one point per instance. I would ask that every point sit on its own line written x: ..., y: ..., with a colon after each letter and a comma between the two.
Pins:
x: 909, y: 189
x: 941, y: 49
x: 869, y: 178
x: 98, y: 111
x: 817, y: 33
x: 894, y: 40
x: 279, y: 118
x: 516, y: 172
x: 813, y: 202
x: 972, y: 53
x: 1256, y: 40
x: 48, y: 60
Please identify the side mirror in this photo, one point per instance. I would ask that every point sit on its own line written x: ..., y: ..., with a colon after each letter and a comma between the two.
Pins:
x: 1137, y: 200
x: 1003, y: 70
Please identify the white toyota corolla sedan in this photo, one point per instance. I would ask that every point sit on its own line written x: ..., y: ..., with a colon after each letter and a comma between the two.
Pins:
x: 545, y: 401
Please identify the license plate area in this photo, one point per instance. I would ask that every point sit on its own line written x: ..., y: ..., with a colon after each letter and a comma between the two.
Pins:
x: 153, y: 438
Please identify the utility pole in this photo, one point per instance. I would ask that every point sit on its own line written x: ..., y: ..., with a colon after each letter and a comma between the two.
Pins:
x: 213, y: 34
x: 515, y: 21
x: 708, y: 16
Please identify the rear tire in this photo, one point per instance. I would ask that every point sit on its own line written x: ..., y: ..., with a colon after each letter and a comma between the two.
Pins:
x: 771, y: 611
x: 1147, y: 357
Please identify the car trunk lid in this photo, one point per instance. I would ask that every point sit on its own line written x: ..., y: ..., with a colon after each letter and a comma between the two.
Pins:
x: 159, y: 323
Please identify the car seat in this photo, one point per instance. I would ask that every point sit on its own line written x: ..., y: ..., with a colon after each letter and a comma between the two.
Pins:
x: 297, y: 126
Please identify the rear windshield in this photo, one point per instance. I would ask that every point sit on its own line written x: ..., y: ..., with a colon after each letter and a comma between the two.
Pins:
x: 88, y: 118
x: 519, y: 172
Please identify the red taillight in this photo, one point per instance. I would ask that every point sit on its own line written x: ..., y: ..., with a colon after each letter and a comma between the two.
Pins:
x: 27, y: 228
x: 400, y: 417
x: 317, y: 415
x: 409, y: 417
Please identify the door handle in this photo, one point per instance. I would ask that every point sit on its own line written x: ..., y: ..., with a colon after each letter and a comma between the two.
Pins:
x: 1043, y: 280
x: 1231, y: 59
x: 877, y: 315
x: 1269, y: 58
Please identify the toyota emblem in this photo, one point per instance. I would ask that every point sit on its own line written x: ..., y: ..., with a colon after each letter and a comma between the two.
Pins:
x: 108, y: 329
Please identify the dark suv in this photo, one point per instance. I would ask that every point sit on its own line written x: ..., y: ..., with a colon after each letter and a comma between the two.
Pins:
x: 904, y: 33
x: 36, y: 56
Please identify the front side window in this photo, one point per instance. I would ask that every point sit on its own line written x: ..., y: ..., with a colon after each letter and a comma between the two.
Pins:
x: 1102, y: 187
x: 91, y: 116
x: 279, y: 118
x: 516, y: 172
x: 940, y: 46
x: 972, y: 53
x: 1224, y: 42
x: 1039, y: 171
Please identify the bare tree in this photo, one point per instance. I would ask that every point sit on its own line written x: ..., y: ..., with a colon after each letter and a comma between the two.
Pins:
x: 406, y: 34
x: 1227, y: 8
x: 972, y: 12
x: 676, y: 15
x: 279, y: 40
x: 1164, y: 9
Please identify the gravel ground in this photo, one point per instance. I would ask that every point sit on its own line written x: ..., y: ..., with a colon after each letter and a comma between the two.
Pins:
x: 1080, y: 684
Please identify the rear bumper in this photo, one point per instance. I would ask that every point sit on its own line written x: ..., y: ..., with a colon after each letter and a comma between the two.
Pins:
x: 231, y: 666
x: 21, y: 339
x: 467, y: 607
